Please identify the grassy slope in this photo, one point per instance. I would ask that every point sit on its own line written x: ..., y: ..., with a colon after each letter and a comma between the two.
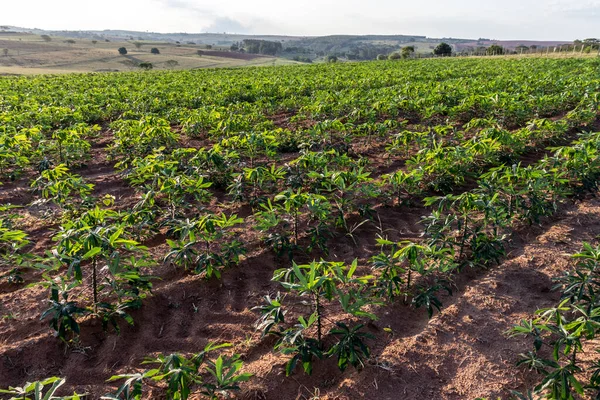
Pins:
x: 30, y: 54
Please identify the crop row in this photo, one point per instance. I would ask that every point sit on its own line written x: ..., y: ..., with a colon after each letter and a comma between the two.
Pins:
x: 307, y: 155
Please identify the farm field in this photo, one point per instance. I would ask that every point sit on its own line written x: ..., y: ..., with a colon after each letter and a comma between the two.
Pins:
x: 28, y: 54
x: 376, y: 230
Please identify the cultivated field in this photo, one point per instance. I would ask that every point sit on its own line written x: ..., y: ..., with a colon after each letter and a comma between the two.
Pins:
x: 28, y: 54
x: 377, y: 230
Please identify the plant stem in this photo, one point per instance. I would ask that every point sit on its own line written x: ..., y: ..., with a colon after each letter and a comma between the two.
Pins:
x: 296, y: 226
x: 318, y: 307
x: 407, y: 284
x: 95, y: 284
x: 464, y: 238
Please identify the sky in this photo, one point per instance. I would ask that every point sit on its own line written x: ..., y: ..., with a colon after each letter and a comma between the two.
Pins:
x: 493, y: 19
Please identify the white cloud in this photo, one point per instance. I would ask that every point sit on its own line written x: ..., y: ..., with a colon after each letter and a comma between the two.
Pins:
x: 509, y: 19
x: 226, y: 24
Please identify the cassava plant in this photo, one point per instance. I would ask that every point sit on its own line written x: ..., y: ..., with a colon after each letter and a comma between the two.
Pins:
x: 39, y: 390
x: 96, y: 248
x: 280, y: 221
x: 13, y: 255
x: 67, y: 146
x: 398, y: 266
x: 254, y: 183
x: 205, y: 245
x: 166, y: 183
x: 252, y: 145
x: 316, y: 288
x: 347, y: 190
x: 562, y: 333
x: 61, y: 187
x: 138, y: 138
x: 185, y: 376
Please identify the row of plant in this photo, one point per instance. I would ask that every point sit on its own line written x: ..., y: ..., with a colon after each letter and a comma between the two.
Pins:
x: 50, y: 118
x: 466, y: 230
x: 563, y: 333
x: 304, y: 184
x: 510, y: 90
x: 320, y: 198
x: 175, y: 376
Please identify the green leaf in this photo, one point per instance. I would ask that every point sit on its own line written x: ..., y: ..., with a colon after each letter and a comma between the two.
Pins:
x: 92, y: 253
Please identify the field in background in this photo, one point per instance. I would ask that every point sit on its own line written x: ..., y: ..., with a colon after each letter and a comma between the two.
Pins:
x: 25, y: 54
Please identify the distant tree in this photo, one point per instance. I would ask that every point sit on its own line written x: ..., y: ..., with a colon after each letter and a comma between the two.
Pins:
x: 332, y: 59
x: 408, y: 51
x: 5, y: 51
x: 122, y: 51
x: 234, y: 47
x: 138, y: 45
x: 480, y: 51
x: 381, y: 57
x: 192, y: 43
x: 522, y: 49
x: 106, y: 40
x: 200, y: 53
x: 154, y: 50
x: 208, y: 46
x: 495, y: 50
x: 266, y: 47
x: 443, y: 49
x: 94, y: 42
x: 70, y: 41
x: 146, y: 66
x: 593, y: 43
x: 394, y: 56
x: 171, y: 63
x: 46, y: 38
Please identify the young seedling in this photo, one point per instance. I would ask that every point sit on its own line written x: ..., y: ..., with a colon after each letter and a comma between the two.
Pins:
x: 321, y: 283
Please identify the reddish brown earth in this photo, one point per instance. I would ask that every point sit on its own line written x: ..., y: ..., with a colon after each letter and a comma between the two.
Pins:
x: 461, y: 353
x: 231, y: 54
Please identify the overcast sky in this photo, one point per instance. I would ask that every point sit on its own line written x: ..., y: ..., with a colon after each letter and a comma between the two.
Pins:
x: 505, y: 19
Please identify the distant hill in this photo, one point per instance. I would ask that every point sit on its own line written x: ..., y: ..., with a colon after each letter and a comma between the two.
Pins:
x: 509, y: 44
x: 357, y: 47
x: 28, y: 52
x: 68, y: 51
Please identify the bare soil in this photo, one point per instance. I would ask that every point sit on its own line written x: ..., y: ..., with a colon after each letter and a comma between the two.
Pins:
x: 231, y: 54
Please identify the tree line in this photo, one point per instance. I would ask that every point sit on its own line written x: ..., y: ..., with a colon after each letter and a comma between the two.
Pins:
x: 265, y: 47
